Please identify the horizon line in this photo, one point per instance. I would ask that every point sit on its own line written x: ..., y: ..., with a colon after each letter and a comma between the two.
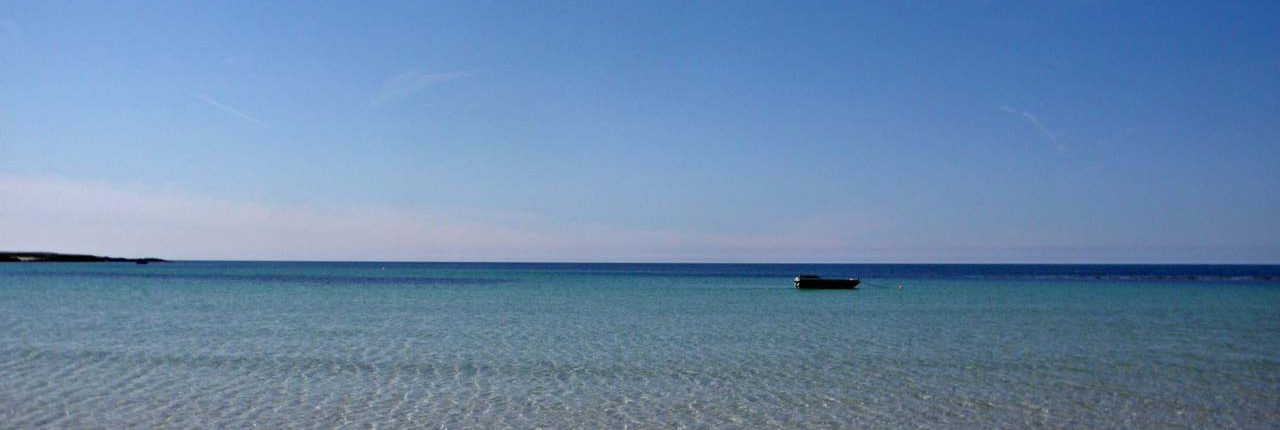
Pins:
x: 931, y: 263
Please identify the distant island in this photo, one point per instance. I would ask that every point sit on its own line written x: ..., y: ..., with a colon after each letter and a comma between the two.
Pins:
x: 53, y: 257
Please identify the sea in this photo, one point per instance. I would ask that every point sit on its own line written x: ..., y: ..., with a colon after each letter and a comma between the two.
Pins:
x: 366, y: 345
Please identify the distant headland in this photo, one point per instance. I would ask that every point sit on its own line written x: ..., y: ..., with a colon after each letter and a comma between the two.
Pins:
x: 53, y: 257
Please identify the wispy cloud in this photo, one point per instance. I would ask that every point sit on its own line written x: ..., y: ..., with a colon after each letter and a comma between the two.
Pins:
x: 409, y: 83
x: 1035, y: 122
x: 228, y: 109
x: 1120, y: 135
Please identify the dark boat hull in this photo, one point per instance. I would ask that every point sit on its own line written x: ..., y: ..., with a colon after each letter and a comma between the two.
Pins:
x: 808, y: 283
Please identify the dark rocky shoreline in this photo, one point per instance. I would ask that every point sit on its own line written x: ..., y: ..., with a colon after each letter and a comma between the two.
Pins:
x: 53, y: 257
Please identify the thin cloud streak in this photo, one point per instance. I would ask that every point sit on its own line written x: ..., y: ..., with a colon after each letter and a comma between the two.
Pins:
x: 409, y: 83
x: 228, y: 109
x: 1033, y: 120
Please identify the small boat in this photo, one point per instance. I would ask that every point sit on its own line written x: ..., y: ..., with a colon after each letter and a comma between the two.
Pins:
x: 817, y: 282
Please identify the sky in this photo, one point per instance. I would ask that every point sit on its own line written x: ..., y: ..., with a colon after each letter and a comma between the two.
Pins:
x: 844, y: 132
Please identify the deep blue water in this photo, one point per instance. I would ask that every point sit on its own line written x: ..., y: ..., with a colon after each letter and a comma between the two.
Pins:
x: 404, y: 345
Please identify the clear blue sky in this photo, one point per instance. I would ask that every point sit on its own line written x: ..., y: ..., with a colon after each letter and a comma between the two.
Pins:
x: 1115, y: 131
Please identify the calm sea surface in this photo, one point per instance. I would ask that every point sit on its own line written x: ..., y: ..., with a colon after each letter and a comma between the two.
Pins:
x: 408, y: 345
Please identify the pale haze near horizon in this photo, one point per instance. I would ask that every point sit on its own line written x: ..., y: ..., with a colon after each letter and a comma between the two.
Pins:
x: 1074, y: 132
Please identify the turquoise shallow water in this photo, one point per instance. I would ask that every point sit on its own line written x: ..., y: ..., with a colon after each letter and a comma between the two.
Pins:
x: 397, y: 345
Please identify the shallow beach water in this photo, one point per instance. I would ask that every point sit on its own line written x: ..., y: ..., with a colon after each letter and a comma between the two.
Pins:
x: 450, y: 345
